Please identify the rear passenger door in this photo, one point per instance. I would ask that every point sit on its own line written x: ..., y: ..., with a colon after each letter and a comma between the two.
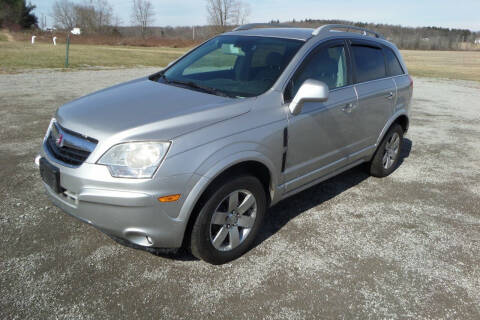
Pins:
x: 402, y: 80
x: 376, y: 93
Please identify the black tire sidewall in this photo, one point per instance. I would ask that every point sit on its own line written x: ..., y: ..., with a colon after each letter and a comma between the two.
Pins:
x: 200, y: 243
x: 376, y: 165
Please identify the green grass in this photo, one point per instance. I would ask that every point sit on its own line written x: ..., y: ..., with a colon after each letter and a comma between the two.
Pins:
x: 15, y: 56
x: 3, y: 37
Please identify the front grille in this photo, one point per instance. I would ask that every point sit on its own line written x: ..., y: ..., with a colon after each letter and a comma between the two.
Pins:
x: 68, y: 147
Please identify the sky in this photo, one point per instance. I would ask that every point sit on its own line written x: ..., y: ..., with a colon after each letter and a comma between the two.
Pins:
x: 463, y: 14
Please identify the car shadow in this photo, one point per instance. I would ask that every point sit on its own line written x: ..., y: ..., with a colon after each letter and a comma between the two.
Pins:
x: 405, y: 152
x: 286, y: 210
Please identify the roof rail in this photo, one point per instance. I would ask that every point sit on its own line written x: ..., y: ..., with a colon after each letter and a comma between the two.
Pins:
x: 330, y: 27
x: 261, y: 25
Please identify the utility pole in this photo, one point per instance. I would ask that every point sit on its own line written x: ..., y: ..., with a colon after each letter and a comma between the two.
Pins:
x: 193, y: 31
x: 67, y: 50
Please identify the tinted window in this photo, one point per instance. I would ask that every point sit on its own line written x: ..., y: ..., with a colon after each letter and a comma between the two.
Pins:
x: 214, y: 61
x: 327, y: 64
x: 393, y: 65
x: 369, y: 61
x: 264, y: 52
x: 239, y: 66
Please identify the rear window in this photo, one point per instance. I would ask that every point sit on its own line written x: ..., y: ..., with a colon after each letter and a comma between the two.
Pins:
x: 370, y: 63
x: 393, y: 65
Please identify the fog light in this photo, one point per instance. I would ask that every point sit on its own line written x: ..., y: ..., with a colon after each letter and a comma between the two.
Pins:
x: 170, y: 198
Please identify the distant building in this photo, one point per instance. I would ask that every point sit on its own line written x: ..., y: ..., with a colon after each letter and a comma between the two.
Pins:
x: 477, y: 41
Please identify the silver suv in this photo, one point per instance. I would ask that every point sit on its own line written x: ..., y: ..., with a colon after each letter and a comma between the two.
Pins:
x: 195, y: 154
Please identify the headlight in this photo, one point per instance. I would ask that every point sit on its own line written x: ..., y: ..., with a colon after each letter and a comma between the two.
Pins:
x: 134, y: 159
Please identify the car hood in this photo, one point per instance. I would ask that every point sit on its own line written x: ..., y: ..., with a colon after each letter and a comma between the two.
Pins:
x: 144, y: 109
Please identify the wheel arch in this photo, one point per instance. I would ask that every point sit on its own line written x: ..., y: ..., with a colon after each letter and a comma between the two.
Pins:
x: 401, y: 118
x: 251, y: 165
x: 403, y: 121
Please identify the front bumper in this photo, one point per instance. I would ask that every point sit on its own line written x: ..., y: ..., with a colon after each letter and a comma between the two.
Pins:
x: 124, y: 208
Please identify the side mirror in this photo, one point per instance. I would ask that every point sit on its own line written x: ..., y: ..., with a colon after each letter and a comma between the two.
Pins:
x: 311, y: 90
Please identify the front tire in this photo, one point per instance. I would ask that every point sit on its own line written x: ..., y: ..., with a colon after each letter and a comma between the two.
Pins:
x: 229, y: 220
x: 387, y: 156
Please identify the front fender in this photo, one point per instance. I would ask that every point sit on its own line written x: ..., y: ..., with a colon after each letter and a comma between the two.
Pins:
x: 233, y: 154
x: 213, y: 167
x: 220, y: 161
x: 240, y: 157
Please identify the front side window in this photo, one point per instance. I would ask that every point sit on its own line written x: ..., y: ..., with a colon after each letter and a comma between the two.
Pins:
x: 237, y: 66
x: 328, y: 65
x: 394, y: 66
x: 369, y: 62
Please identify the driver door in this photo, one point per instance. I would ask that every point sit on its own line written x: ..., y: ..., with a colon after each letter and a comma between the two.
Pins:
x: 320, y: 135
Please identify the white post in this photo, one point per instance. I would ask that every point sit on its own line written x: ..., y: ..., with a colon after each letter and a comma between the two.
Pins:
x: 54, y: 41
x: 33, y: 39
x: 193, y: 33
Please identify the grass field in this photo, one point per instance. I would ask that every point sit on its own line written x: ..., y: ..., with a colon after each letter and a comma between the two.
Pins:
x: 15, y: 56
x: 463, y: 65
x: 18, y: 55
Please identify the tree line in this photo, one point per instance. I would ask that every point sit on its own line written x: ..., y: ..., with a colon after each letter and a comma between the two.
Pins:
x: 423, y: 38
x: 224, y: 15
x: 17, y: 14
x: 97, y: 17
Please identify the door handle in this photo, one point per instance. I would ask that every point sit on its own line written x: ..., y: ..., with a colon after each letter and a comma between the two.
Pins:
x: 389, y: 96
x: 348, y: 107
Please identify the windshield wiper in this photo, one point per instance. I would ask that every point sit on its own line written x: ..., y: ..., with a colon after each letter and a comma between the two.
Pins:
x: 197, y: 86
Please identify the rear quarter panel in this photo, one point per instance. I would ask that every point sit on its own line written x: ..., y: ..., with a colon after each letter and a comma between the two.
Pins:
x: 404, y: 93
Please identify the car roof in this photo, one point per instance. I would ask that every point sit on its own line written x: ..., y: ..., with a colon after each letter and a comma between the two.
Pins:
x: 287, y: 33
x: 305, y: 34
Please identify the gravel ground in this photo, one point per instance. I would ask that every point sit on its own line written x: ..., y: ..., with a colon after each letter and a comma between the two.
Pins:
x: 407, y: 246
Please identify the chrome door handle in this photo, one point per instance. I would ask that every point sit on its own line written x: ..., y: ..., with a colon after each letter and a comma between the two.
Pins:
x: 389, y: 96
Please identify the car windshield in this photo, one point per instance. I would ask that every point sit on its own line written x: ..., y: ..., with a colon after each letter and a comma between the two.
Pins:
x: 234, y: 66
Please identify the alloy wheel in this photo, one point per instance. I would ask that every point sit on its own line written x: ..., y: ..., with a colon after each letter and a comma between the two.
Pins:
x: 233, y: 220
x: 392, y: 149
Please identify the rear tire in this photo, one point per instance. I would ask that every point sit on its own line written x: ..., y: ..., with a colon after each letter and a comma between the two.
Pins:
x: 229, y: 220
x: 387, y: 156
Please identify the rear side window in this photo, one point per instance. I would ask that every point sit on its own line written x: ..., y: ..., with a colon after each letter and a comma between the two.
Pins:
x: 370, y: 63
x: 393, y: 65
